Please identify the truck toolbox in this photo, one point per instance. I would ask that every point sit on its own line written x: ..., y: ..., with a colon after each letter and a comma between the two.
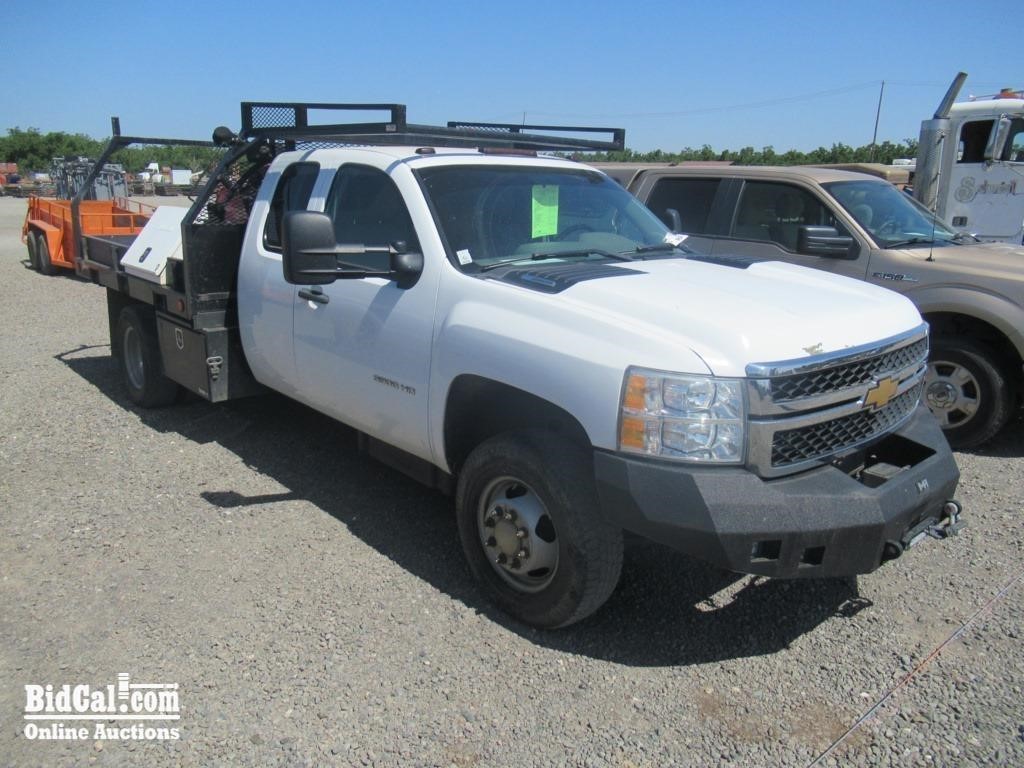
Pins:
x: 209, y: 362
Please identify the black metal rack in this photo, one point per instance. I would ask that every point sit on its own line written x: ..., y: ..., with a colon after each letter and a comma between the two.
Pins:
x: 290, y: 122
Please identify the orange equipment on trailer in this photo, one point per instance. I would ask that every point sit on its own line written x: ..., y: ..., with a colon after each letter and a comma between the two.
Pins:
x: 49, y: 234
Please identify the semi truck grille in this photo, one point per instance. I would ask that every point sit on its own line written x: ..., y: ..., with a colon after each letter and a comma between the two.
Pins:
x: 791, y: 446
x: 804, y: 412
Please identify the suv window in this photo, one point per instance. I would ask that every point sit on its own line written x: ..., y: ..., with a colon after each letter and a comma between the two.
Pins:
x: 367, y: 209
x: 775, y: 212
x: 292, y: 194
x: 692, y: 198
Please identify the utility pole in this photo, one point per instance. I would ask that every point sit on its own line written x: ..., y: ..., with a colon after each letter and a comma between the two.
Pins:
x: 878, y: 114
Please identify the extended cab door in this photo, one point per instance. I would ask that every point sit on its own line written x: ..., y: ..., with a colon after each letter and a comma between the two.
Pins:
x: 766, y: 223
x: 362, y: 346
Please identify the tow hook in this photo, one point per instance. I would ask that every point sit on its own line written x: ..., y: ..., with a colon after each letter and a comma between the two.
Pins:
x: 948, y: 525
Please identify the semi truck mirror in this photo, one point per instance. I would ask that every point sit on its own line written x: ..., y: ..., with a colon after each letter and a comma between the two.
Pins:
x: 825, y: 241
x: 997, y: 139
x: 308, y: 253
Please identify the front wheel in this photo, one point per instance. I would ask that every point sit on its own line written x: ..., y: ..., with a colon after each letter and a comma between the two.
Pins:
x: 531, y: 529
x: 967, y: 391
x: 139, y: 355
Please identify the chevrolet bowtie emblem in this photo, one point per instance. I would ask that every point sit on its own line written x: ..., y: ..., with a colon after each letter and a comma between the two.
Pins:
x: 880, y: 393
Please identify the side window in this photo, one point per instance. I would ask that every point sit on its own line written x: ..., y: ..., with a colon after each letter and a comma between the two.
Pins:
x: 775, y: 212
x: 692, y: 198
x: 1014, y: 151
x: 973, y: 138
x: 292, y: 194
x: 367, y: 209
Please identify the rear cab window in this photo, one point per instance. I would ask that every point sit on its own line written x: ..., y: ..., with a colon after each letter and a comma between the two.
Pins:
x: 691, y: 198
x: 292, y: 194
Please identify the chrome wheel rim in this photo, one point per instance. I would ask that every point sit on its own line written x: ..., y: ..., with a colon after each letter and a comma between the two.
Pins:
x: 517, y: 535
x: 133, y: 364
x: 952, y: 393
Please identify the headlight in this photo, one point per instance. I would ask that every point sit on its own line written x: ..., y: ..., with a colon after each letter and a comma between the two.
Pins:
x: 686, y: 418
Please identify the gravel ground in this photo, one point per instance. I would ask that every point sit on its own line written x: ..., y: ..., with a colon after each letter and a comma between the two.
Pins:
x: 314, y: 608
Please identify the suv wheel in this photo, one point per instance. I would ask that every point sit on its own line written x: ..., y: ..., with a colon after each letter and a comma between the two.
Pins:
x: 967, y: 390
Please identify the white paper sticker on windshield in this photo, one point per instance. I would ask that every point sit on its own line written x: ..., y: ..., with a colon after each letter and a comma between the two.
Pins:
x: 464, y: 257
x: 674, y: 239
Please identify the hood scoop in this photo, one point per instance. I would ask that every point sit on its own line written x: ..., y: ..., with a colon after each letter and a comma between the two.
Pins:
x: 557, y: 278
x: 724, y: 260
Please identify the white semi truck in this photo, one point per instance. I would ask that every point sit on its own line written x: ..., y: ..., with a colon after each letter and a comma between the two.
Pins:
x: 518, y: 330
x: 970, y: 164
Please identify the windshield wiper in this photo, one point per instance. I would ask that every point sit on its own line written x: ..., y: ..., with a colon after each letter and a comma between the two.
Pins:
x: 580, y: 254
x: 659, y: 248
x: 910, y: 241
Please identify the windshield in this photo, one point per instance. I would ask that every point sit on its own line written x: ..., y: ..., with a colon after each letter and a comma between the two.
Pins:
x: 892, y: 217
x: 490, y: 215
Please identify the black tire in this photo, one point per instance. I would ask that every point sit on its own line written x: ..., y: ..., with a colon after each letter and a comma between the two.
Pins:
x: 538, y: 489
x: 968, y: 391
x: 30, y: 244
x: 138, y: 354
x: 43, y: 262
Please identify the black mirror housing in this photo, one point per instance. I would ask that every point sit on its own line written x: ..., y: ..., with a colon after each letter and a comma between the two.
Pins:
x: 825, y: 241
x: 406, y: 268
x: 308, y: 248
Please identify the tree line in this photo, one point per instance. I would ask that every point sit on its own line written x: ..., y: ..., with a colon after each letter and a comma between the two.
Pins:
x: 33, y: 151
x: 884, y: 152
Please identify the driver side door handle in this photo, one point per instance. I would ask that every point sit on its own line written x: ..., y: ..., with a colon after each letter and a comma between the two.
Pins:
x: 314, y: 294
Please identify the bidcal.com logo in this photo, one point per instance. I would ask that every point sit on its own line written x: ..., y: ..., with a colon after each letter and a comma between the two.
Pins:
x: 121, y: 711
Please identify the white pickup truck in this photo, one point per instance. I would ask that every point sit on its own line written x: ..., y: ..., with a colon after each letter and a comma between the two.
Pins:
x: 520, y: 331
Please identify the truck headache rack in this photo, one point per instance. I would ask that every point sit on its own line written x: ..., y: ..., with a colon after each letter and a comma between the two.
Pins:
x: 290, y: 122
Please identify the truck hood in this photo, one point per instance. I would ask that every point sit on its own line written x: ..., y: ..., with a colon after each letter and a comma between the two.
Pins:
x: 733, y: 316
x: 998, y: 267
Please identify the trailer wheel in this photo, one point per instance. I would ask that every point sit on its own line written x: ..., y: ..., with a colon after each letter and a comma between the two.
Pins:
x: 139, y: 358
x: 30, y: 244
x: 43, y: 262
x: 967, y: 390
x: 531, y: 531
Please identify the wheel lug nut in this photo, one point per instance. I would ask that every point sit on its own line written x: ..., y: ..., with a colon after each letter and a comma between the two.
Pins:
x: 521, y: 533
x: 523, y: 553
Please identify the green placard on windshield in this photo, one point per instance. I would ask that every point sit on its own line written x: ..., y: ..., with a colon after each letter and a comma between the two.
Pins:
x: 545, y: 209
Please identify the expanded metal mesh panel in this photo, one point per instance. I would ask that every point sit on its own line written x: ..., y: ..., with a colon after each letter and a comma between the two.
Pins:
x: 786, y: 388
x: 831, y: 437
x: 230, y: 198
x: 273, y: 116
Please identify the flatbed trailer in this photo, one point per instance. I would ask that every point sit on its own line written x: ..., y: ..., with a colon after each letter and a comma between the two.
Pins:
x: 49, y: 232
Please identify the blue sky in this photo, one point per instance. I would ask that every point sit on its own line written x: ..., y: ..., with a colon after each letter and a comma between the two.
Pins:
x: 792, y: 74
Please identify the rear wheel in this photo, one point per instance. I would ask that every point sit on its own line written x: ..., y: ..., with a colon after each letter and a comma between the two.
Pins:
x: 139, y: 354
x: 967, y: 390
x: 531, y: 529
x: 30, y: 245
x: 43, y: 262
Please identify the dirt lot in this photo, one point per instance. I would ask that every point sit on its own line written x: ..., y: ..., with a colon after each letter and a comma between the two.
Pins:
x: 314, y: 609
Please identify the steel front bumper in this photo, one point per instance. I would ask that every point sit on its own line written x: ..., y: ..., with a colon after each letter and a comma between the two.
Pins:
x: 821, y: 522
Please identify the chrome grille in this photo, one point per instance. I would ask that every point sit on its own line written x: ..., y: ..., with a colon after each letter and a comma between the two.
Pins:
x: 807, y: 410
x: 792, y: 446
x: 794, y: 387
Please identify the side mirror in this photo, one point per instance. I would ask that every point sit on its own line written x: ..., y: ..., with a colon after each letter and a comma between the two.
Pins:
x: 825, y: 241
x: 675, y: 221
x: 997, y: 139
x: 308, y: 248
x: 310, y: 255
